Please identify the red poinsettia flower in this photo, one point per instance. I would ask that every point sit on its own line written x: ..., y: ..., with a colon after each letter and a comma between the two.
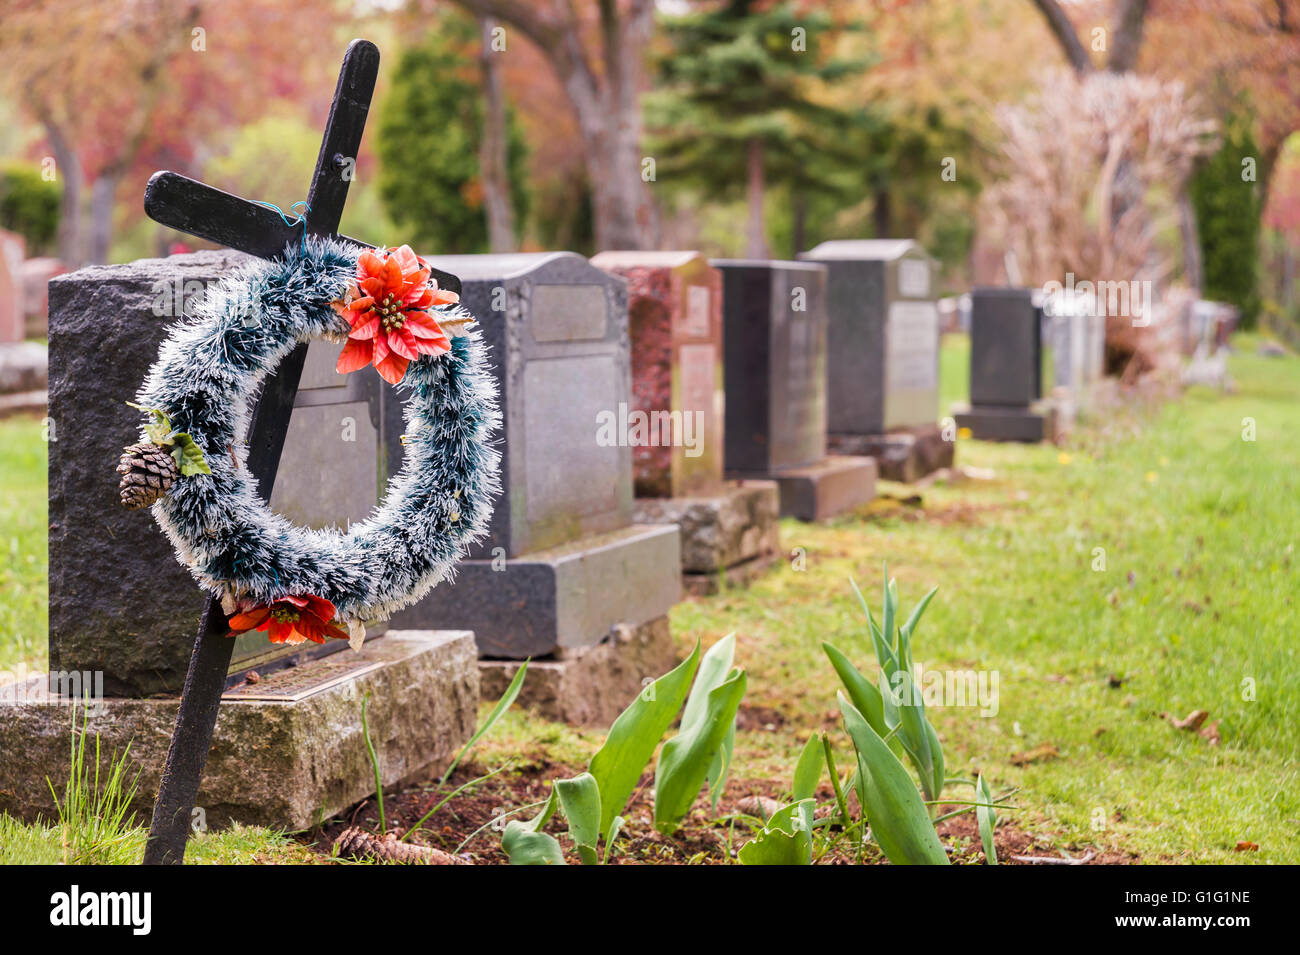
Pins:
x: 388, y: 312
x: 290, y: 620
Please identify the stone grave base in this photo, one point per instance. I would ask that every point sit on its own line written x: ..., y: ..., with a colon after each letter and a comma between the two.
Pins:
x: 833, y: 486
x: 906, y: 455
x: 564, y: 597
x: 731, y: 535
x: 995, y: 423
x: 288, y: 750
x: 589, y: 686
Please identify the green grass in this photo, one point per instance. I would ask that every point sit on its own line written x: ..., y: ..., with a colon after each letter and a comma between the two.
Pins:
x: 24, y: 561
x: 1197, y: 597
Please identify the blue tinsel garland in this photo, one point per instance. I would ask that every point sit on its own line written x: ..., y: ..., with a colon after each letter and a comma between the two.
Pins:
x: 207, y: 371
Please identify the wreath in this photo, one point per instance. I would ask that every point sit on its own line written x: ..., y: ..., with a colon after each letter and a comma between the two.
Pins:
x: 296, y: 583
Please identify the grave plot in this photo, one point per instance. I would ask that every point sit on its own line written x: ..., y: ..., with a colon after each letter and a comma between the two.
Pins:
x: 1006, y: 359
x: 286, y: 742
x: 564, y: 573
x: 882, y: 363
x: 774, y: 343
x: 729, y: 528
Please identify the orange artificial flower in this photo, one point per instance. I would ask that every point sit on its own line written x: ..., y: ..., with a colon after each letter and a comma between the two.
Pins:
x: 387, y: 310
x: 290, y: 620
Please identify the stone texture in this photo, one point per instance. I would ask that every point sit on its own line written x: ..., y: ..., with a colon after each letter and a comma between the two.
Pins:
x: 883, y: 335
x: 675, y: 322
x: 905, y: 456
x: 108, y: 566
x: 564, y: 597
x: 736, y: 525
x: 997, y: 423
x: 330, y: 475
x: 774, y: 339
x: 593, y: 685
x: 558, y: 336
x: 833, y: 486
x: 273, y: 762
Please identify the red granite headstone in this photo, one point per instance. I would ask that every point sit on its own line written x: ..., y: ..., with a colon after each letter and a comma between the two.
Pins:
x: 12, y: 322
x: 675, y: 419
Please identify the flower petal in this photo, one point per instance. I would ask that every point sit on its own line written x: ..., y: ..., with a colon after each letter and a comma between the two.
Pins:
x: 366, y: 329
x: 356, y: 354
x: 444, y: 297
x: 248, y: 620
x: 392, y: 368
x: 402, y: 342
x: 320, y: 608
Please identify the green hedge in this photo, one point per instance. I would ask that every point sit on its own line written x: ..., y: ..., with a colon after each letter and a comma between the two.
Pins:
x: 1228, y: 219
x: 29, y: 205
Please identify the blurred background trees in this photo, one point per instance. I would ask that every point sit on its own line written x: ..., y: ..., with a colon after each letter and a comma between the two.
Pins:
x: 735, y: 126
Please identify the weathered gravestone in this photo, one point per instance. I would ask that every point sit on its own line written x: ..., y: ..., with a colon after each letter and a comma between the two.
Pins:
x: 774, y: 342
x: 564, y: 571
x: 1006, y: 369
x: 729, y: 528
x: 288, y: 746
x: 883, y: 355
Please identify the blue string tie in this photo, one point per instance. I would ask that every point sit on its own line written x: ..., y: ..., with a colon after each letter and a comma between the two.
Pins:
x: 292, y: 221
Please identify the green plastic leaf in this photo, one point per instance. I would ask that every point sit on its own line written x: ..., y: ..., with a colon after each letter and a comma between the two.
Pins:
x: 523, y: 846
x: 189, y: 456
x: 159, y: 428
x: 786, y: 839
x: 635, y: 735
x: 899, y: 820
x: 685, y: 759
x: 808, y: 771
x: 987, y: 817
x: 579, y: 799
x: 503, y: 704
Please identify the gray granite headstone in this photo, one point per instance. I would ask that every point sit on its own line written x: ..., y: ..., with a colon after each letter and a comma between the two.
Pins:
x: 774, y: 342
x: 557, y: 329
x: 883, y: 335
x: 563, y: 564
x: 119, y: 601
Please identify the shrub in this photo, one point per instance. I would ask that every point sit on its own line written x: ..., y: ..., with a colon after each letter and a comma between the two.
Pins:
x: 29, y: 205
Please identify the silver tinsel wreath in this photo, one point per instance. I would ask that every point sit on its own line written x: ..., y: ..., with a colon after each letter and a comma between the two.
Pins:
x: 208, y: 371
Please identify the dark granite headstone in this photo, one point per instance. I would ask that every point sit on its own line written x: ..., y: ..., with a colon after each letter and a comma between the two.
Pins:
x: 1005, y: 348
x: 774, y: 335
x: 675, y: 320
x: 1006, y: 368
x: 563, y: 563
x: 106, y: 323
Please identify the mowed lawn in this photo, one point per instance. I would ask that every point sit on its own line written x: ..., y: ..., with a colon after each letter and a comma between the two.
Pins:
x: 1194, y: 609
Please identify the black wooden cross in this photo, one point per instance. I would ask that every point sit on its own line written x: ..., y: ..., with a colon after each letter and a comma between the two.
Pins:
x: 200, y: 210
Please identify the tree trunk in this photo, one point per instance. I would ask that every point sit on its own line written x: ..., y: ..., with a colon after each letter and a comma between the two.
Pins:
x: 68, y: 170
x: 756, y: 238
x: 493, y: 167
x: 606, y: 103
x: 1191, y: 243
x: 799, y: 227
x: 882, y: 215
x: 101, y: 216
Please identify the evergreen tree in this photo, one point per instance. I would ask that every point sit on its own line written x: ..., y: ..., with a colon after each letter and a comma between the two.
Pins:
x: 735, y: 109
x: 1226, y: 198
x: 430, y: 131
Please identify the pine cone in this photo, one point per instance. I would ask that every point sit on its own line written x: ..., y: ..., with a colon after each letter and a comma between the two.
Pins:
x: 358, y: 844
x: 147, y: 470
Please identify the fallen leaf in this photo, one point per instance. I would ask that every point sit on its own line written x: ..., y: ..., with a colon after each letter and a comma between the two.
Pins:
x: 1038, y: 754
x: 1211, y: 732
x: 1247, y: 846
x: 1191, y: 722
x: 764, y: 807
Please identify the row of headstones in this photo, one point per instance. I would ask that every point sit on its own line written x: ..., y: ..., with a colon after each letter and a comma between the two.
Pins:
x: 611, y: 375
